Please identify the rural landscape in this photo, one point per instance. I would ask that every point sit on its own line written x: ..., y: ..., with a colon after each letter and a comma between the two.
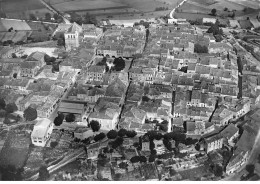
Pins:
x: 130, y: 90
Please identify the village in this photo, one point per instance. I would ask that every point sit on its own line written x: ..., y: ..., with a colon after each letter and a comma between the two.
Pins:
x: 164, y: 100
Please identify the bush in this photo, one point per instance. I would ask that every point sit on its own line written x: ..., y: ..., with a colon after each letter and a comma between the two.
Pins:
x: 70, y: 117
x: 10, y: 108
x: 2, y: 103
x: 131, y: 134
x: 135, y: 159
x: 112, y: 134
x: 58, y: 121
x: 53, y: 144
x: 43, y: 173
x: 95, y: 126
x: 122, y: 132
x: 30, y: 114
x: 2, y: 113
x: 119, y: 64
x: 99, y: 137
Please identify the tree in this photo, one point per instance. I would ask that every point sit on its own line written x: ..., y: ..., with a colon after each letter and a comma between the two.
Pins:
x: 2, y: 103
x: 135, y: 159
x: 54, y: 144
x: 30, y: 114
x: 225, y: 9
x: 14, y: 55
x: 55, y: 67
x: 152, y: 158
x: 213, y: 12
x: 58, y: 121
x: 119, y: 64
x: 142, y: 159
x: 145, y: 99
x: 95, y: 126
x: 56, y: 16
x: 43, y: 173
x: 15, y: 75
x: 112, y: 134
x: 118, y: 142
x: 10, y: 108
x: 70, y: 117
x: 122, y: 132
x: 61, y: 40
x: 218, y: 170
x: 123, y: 165
x: 90, y: 19
x: 49, y: 60
x: 250, y: 169
x: 47, y: 16
x: 214, y: 28
x: 7, y: 121
x: 24, y: 56
x: 167, y: 144
x: 76, y: 18
x: 99, y: 137
x: 190, y: 141
x: 131, y: 134
x: 32, y: 17
x: 2, y: 113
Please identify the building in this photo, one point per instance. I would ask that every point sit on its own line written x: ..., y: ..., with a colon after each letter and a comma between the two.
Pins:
x: 72, y: 36
x: 230, y: 133
x: 95, y: 73
x: 28, y: 69
x: 145, y: 143
x: 106, y: 112
x: 213, y: 143
x: 74, y: 108
x: 41, y: 132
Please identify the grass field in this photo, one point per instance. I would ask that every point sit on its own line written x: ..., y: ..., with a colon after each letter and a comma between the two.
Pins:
x: 15, y: 150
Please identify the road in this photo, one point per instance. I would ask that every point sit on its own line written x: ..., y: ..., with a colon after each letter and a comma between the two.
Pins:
x: 49, y: 7
x: 174, y: 9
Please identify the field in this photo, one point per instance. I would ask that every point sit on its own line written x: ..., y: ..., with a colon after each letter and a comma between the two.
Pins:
x: 15, y: 150
x: 86, y: 5
x: 247, y: 3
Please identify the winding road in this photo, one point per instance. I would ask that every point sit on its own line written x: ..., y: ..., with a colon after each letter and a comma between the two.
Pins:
x: 174, y: 9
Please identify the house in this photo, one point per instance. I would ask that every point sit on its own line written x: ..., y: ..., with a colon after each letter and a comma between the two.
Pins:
x: 93, y: 151
x: 241, y: 108
x: 106, y: 112
x: 28, y: 69
x: 73, y: 108
x: 83, y: 133
x: 222, y: 116
x: 219, y: 47
x: 41, y: 132
x: 145, y: 143
x: 209, y: 20
x: 230, y: 133
x: 91, y: 31
x: 95, y: 73
x: 213, y: 143
x: 234, y: 23
x: 195, y: 128
x: 37, y: 57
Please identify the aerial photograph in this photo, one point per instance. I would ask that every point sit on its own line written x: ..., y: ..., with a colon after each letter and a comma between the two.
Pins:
x: 130, y: 90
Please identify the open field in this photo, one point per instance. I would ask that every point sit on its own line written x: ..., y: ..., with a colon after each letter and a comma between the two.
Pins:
x: 192, y: 16
x: 21, y: 5
x: 15, y: 150
x: 248, y: 3
x: 86, y: 4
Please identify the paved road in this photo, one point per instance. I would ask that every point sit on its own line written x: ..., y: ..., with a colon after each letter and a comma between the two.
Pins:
x: 174, y: 9
x: 54, y: 11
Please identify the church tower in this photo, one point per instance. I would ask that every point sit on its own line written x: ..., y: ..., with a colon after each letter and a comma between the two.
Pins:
x: 72, y: 37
